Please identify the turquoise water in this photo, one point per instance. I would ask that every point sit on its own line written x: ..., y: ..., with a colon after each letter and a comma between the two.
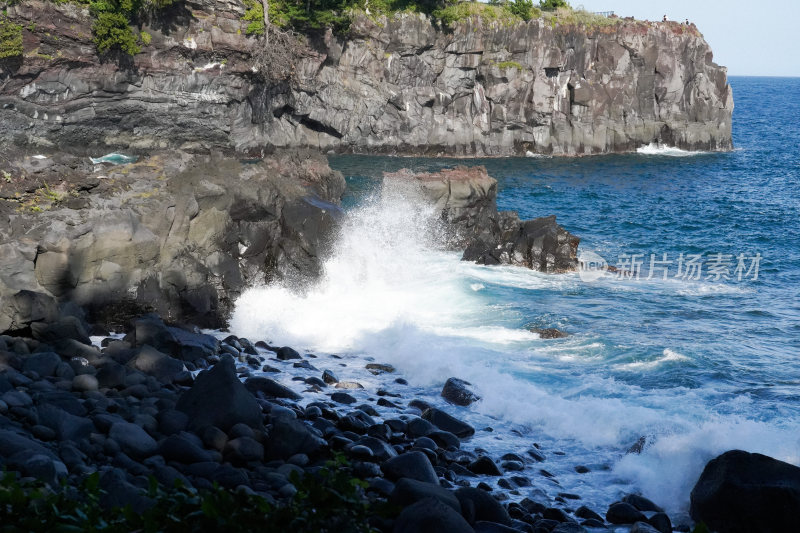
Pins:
x: 696, y: 365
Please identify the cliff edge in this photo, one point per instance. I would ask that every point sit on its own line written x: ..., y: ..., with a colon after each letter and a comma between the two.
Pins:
x: 398, y: 85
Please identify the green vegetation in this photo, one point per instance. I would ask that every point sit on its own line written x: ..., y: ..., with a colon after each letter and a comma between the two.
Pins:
x: 552, y: 5
x: 254, y: 14
x: 509, y: 64
x: 10, y: 39
x: 112, y: 25
x: 524, y: 9
x: 332, y: 500
x: 146, y: 38
x: 465, y: 10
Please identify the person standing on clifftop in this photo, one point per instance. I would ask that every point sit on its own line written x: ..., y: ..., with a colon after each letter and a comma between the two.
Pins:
x: 665, y: 19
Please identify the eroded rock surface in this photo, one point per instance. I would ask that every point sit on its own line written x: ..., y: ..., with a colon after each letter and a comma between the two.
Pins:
x: 467, y: 200
x: 401, y: 85
x: 178, y: 234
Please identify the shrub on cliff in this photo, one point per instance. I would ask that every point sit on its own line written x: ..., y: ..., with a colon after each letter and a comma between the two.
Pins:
x: 552, y: 5
x: 10, y: 39
x: 111, y: 30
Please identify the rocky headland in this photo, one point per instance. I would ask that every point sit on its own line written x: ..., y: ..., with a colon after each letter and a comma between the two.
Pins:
x: 402, y: 84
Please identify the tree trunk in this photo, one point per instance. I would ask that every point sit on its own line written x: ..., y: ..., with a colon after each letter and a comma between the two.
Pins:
x: 265, y: 5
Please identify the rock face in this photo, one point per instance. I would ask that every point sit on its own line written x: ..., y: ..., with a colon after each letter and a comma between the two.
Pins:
x: 401, y: 85
x: 467, y: 201
x: 740, y: 491
x: 178, y: 234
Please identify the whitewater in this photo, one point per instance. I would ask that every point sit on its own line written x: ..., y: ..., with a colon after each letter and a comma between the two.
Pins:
x: 696, y: 367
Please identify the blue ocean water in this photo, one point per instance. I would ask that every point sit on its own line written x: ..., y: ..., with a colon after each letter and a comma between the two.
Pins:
x: 697, y: 366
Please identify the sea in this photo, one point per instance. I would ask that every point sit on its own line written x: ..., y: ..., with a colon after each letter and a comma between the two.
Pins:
x: 694, y: 344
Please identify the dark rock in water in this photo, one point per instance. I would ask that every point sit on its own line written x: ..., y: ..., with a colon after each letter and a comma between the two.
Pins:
x: 329, y: 377
x: 270, y: 388
x: 568, y: 527
x: 492, y: 527
x: 456, y: 391
x: 478, y: 505
x: 661, y: 522
x: 408, y: 491
x: 430, y: 515
x: 624, y: 513
x: 740, y: 491
x: 379, y: 368
x: 554, y: 513
x: 484, y: 465
x: 219, y: 399
x: 447, y: 422
x: 381, y: 450
x: 159, y: 365
x: 581, y: 469
x: 641, y: 503
x: 412, y: 465
x: 550, y: 333
x: 291, y: 437
x: 586, y: 513
x: 343, y: 397
x: 286, y: 353
x: 643, y: 527
x: 638, y: 446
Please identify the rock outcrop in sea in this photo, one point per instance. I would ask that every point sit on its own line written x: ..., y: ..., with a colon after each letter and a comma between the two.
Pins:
x: 398, y: 85
x: 466, y: 197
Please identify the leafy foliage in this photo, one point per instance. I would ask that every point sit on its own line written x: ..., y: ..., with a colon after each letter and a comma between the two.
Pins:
x: 10, y: 39
x: 552, y: 5
x: 523, y: 9
x: 330, y: 501
x: 111, y: 30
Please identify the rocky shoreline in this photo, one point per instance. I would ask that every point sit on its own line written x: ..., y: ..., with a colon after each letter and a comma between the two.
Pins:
x: 177, y: 404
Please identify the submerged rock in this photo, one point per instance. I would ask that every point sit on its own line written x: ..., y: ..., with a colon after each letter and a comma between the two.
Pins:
x: 456, y: 391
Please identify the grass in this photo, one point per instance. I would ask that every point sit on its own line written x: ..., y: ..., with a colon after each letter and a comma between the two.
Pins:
x: 10, y: 39
x: 475, y: 10
x: 509, y: 64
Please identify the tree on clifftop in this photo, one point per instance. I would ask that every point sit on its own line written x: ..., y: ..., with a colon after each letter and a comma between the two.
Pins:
x: 552, y: 5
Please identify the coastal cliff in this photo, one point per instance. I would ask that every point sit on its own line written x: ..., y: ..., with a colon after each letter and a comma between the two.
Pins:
x: 398, y: 85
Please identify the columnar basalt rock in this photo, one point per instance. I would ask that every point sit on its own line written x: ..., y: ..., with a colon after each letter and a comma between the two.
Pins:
x: 179, y: 234
x: 401, y: 85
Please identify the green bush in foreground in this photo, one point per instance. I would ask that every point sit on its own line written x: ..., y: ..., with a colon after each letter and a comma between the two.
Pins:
x: 331, y: 501
x: 10, y: 39
x: 111, y: 30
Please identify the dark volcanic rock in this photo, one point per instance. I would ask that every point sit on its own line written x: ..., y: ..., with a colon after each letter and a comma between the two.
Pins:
x: 408, y: 491
x: 412, y: 465
x: 456, y: 391
x: 219, y: 399
x: 184, y: 246
x: 270, y: 388
x: 740, y: 491
x: 446, y: 422
x: 484, y: 465
x: 549, y: 333
x: 430, y: 515
x: 467, y: 199
x: 478, y: 505
x: 624, y: 513
x: 291, y: 437
x: 159, y: 365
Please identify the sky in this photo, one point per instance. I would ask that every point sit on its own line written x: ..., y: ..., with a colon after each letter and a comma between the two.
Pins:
x: 751, y: 38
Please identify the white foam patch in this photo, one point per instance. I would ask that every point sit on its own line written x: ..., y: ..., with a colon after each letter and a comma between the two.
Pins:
x: 660, y: 149
x: 669, y: 356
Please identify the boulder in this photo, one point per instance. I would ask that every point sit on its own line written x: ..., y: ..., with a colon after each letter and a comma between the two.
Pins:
x: 411, y: 465
x: 44, y: 364
x: 157, y: 364
x: 456, y: 391
x: 624, y: 513
x: 291, y: 437
x: 446, y: 422
x: 68, y: 427
x: 740, y: 491
x: 133, y: 440
x: 218, y: 398
x: 409, y: 491
x: 270, y: 388
x: 429, y: 515
x: 479, y: 505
